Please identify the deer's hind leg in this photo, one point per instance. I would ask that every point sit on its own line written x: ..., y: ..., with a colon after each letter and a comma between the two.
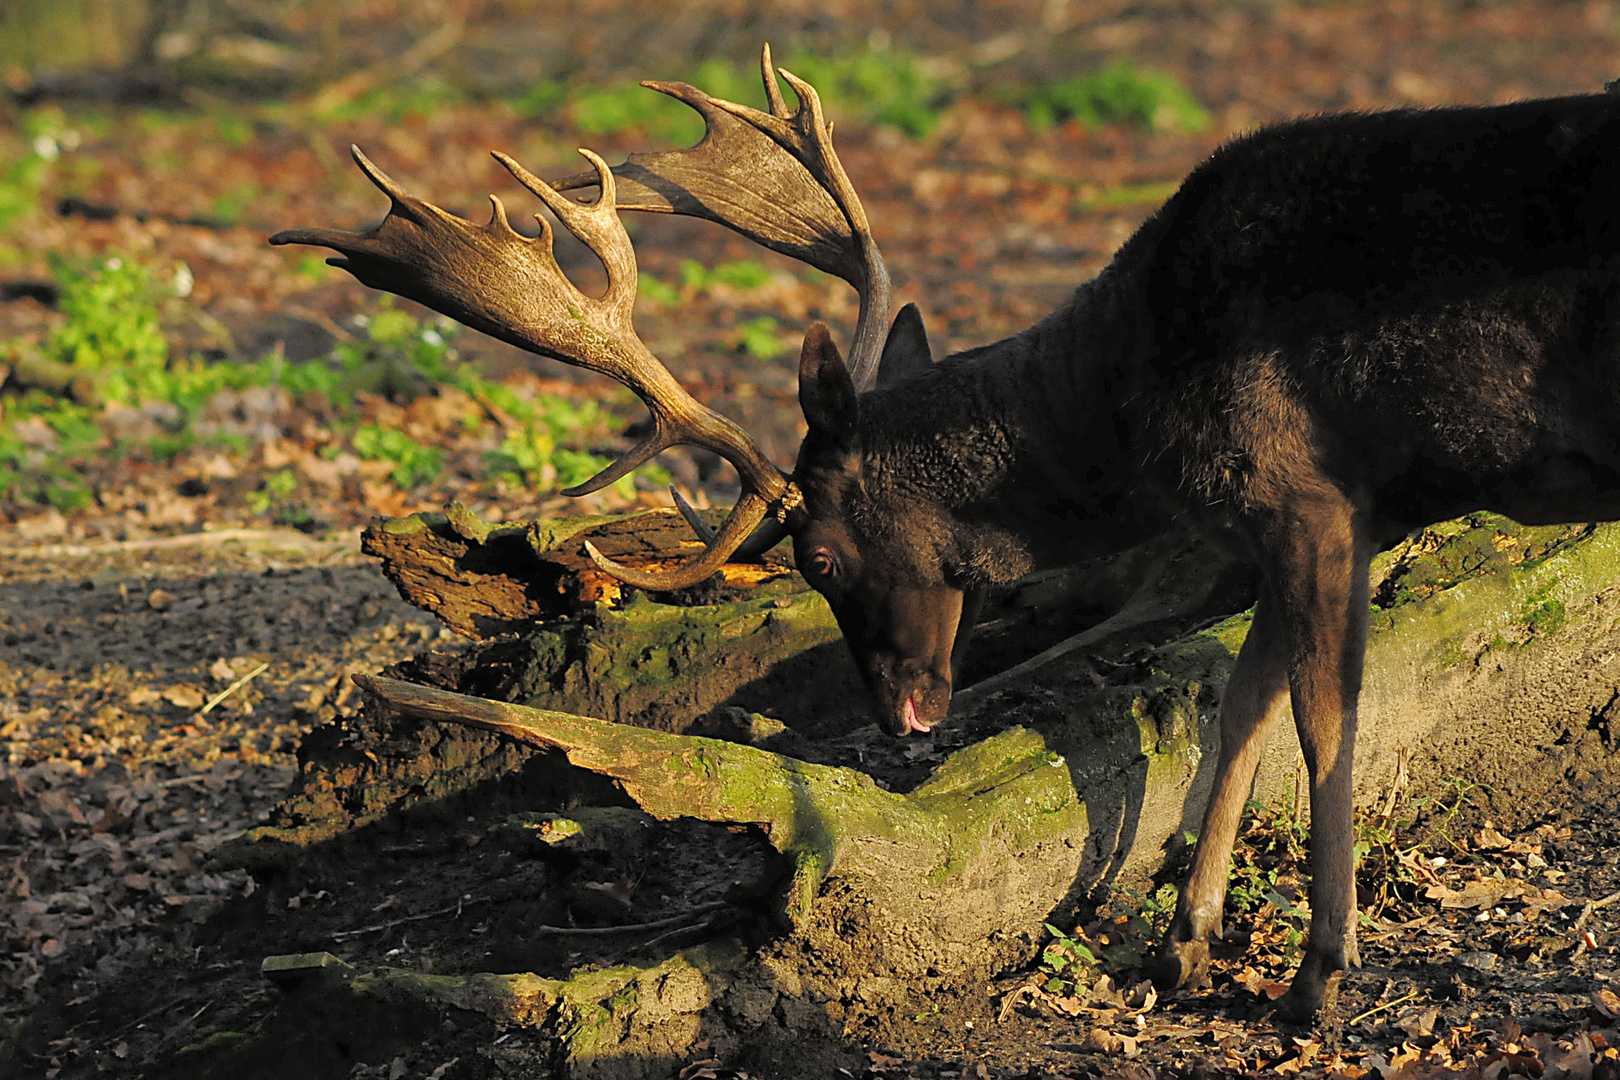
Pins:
x: 1255, y: 697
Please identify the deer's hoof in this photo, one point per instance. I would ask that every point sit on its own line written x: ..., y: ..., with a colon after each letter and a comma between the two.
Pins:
x: 1314, y: 987
x: 1179, y: 964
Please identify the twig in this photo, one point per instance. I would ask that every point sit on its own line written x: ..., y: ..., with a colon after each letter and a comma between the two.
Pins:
x: 1381, y: 1008
x: 1140, y: 610
x: 632, y: 928
x: 653, y: 942
x: 180, y: 1029
x: 454, y: 909
x: 214, y: 536
x: 233, y: 688
x: 581, y: 931
x: 145, y: 1016
x: 1594, y: 905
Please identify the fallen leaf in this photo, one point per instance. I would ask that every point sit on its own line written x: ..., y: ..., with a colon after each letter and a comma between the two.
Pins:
x: 1142, y: 997
x: 221, y: 670
x: 1108, y: 1042
x: 1417, y: 1022
x: 184, y: 696
x: 1607, y: 1002
x: 1067, y: 1006
x: 1475, y: 894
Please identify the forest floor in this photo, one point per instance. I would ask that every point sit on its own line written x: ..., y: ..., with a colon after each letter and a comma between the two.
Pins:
x: 182, y: 597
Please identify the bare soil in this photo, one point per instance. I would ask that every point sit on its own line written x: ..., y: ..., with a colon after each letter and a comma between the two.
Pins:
x: 124, y: 943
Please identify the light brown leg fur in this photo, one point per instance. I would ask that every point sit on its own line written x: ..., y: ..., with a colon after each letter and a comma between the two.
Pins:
x: 1309, y: 634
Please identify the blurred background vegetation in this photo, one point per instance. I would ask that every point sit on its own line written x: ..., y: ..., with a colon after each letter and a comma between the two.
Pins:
x: 121, y: 374
x: 151, y: 344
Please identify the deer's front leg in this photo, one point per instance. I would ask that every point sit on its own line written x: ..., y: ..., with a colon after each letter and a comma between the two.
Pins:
x: 1254, y: 699
x: 1324, y: 587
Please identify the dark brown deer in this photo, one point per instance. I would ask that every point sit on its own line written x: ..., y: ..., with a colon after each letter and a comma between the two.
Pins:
x: 1338, y: 330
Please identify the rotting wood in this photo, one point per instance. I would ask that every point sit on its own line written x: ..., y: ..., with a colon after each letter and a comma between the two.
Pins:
x: 484, y: 580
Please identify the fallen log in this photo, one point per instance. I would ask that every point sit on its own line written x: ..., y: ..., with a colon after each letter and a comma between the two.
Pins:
x: 1495, y: 656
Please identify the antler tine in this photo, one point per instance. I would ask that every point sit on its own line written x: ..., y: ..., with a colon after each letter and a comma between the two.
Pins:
x: 749, y: 512
x: 597, y: 224
x: 807, y: 135
x: 773, y: 92
x: 765, y: 536
x: 774, y: 178
x: 510, y: 286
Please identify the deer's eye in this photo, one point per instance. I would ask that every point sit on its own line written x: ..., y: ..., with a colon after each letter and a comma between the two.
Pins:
x: 822, y: 565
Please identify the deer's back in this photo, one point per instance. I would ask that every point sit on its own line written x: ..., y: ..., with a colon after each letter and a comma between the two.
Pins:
x: 1416, y: 303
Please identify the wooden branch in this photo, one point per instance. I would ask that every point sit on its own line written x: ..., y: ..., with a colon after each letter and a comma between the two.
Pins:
x: 987, y: 804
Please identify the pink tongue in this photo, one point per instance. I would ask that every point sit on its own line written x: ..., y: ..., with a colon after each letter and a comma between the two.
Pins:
x: 912, y: 723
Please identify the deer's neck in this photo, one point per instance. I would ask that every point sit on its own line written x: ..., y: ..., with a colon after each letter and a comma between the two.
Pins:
x: 1024, y: 444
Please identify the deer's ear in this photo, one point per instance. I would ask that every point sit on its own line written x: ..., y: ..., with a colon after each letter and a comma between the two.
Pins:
x: 906, y: 351
x: 826, y: 393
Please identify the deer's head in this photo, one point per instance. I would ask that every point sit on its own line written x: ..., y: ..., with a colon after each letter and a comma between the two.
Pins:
x: 772, y: 176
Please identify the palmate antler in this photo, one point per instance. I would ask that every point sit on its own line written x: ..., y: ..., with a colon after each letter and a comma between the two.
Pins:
x: 771, y: 176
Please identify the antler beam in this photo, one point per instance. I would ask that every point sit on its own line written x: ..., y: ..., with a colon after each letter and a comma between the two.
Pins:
x: 775, y: 178
x: 772, y: 176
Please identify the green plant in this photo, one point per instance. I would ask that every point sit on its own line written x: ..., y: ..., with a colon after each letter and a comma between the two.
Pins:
x: 1269, y: 849
x: 883, y: 86
x: 762, y: 340
x: 880, y: 86
x: 112, y: 330
x: 655, y: 291
x: 415, y: 465
x: 1067, y: 964
x: 230, y: 207
x: 274, y: 490
x: 1120, y: 93
x: 20, y: 185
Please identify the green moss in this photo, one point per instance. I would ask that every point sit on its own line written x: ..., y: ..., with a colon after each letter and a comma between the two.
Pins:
x: 1545, y: 614
x: 219, y: 1040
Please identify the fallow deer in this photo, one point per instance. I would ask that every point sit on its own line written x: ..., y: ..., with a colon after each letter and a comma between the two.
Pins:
x: 1338, y: 330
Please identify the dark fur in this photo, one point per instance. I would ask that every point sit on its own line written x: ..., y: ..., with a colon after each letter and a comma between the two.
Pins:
x: 1337, y: 330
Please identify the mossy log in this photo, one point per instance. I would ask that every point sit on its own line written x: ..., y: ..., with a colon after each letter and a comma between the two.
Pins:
x: 1494, y: 657
x: 973, y: 855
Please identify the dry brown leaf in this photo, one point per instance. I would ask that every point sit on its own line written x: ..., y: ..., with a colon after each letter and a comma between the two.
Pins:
x: 184, y: 696
x: 1100, y: 1038
x: 1607, y: 1002
x: 1417, y: 1022
x: 1143, y: 997
x: 1476, y: 894
x: 1067, y: 1006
